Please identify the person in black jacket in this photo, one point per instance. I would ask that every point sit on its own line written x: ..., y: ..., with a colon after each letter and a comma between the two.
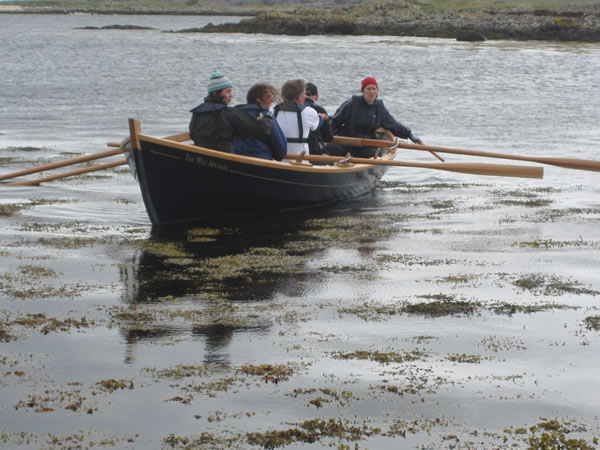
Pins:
x: 360, y: 117
x: 215, y: 125
x: 260, y: 97
x: 317, y: 138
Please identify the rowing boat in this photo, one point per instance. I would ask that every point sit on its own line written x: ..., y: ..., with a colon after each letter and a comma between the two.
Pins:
x: 183, y: 183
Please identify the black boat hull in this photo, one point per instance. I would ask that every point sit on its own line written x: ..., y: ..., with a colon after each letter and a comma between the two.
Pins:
x: 183, y: 183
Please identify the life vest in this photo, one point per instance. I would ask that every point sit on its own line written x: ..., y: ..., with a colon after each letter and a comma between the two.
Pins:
x: 297, y: 108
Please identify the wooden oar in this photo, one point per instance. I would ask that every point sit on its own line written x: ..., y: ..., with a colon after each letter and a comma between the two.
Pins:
x: 568, y: 163
x: 181, y: 137
x: 68, y: 174
x: 64, y: 163
x: 360, y: 142
x: 497, y: 170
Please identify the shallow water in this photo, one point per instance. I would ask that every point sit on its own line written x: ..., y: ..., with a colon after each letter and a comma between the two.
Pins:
x: 441, y: 310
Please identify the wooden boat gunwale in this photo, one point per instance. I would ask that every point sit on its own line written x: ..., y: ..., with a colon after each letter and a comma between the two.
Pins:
x: 284, y: 165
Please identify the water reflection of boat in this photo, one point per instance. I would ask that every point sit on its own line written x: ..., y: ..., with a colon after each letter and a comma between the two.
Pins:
x: 217, y: 337
x: 185, y: 183
x: 146, y: 317
x: 173, y: 297
x: 227, y: 273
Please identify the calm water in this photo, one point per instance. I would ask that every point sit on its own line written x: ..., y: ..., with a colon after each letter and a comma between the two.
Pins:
x: 91, y: 296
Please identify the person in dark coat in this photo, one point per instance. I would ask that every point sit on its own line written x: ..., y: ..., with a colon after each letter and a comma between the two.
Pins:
x: 260, y: 97
x: 360, y: 117
x: 317, y: 138
x: 215, y: 125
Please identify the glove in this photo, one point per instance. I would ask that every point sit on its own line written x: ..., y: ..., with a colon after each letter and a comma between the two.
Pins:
x: 415, y: 139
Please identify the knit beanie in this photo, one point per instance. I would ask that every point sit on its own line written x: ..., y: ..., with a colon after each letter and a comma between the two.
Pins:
x: 218, y: 81
x: 311, y: 89
x: 367, y: 81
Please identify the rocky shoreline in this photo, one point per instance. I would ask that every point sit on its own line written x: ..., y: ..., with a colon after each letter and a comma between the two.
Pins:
x: 580, y: 24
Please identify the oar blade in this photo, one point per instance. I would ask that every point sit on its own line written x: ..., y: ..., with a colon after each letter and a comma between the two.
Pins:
x: 36, y: 182
x: 567, y: 163
x: 56, y: 165
x: 495, y: 170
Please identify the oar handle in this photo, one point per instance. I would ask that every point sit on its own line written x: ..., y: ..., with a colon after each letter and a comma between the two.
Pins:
x: 360, y: 142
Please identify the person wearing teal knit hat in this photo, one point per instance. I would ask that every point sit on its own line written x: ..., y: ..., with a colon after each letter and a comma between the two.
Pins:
x: 215, y: 125
x: 218, y: 81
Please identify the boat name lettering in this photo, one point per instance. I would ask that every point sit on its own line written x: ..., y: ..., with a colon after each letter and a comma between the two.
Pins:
x: 202, y: 161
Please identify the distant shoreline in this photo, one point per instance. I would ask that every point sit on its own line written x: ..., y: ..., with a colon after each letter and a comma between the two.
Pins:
x: 568, y: 24
x: 112, y: 11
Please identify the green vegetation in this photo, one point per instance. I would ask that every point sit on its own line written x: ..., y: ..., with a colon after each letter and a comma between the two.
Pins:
x: 269, y: 372
x: 381, y: 357
x: 181, y: 371
x: 112, y: 385
x: 540, y: 284
x: 530, y: 203
x: 311, y: 431
x: 552, y: 434
x: 462, y: 5
x: 50, y: 324
x: 551, y: 243
x: 592, y: 323
x: 253, y: 6
x: 10, y: 209
x: 5, y: 332
x: 444, y: 308
x: 464, y: 358
x: 7, y: 160
x: 32, y: 281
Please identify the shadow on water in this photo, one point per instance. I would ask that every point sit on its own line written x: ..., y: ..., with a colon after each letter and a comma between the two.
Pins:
x: 195, y: 280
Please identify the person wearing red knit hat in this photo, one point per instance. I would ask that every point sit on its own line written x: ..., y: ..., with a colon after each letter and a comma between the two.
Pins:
x: 367, y: 81
x: 361, y: 116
